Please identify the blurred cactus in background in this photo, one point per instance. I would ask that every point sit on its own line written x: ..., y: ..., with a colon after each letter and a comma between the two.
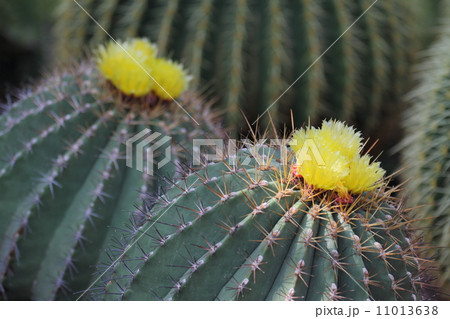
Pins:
x: 426, y: 145
x: 251, y: 51
x: 26, y: 41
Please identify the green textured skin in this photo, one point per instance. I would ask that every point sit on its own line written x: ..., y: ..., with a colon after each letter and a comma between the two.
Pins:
x: 250, y: 51
x: 201, y: 239
x: 425, y: 150
x: 65, y: 188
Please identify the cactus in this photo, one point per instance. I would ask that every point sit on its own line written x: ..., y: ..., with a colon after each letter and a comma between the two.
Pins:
x: 250, y: 227
x: 65, y: 189
x: 251, y: 51
x: 426, y: 146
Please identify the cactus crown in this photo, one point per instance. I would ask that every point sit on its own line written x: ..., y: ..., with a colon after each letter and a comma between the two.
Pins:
x: 338, y: 165
x: 127, y: 65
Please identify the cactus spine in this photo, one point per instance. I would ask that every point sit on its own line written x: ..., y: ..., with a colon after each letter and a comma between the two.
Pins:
x: 251, y: 51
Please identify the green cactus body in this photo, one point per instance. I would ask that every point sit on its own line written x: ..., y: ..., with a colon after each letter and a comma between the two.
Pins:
x: 425, y: 150
x: 251, y: 51
x: 244, y: 229
x: 65, y: 189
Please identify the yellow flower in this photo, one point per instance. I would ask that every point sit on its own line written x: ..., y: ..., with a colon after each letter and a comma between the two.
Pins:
x: 132, y: 67
x: 170, y: 77
x: 329, y: 158
x: 340, y: 137
x: 127, y: 65
x: 363, y: 175
x: 326, y: 176
x: 300, y: 137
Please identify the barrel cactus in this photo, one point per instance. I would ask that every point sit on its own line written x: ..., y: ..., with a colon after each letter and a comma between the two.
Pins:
x: 251, y: 51
x: 264, y: 224
x: 65, y: 188
x: 426, y: 149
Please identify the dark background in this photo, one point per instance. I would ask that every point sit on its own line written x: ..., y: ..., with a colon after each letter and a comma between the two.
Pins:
x: 25, y: 42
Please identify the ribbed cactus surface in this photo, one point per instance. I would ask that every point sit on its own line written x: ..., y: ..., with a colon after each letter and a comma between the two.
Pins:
x: 65, y: 188
x: 246, y: 228
x: 251, y: 51
x: 426, y: 149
